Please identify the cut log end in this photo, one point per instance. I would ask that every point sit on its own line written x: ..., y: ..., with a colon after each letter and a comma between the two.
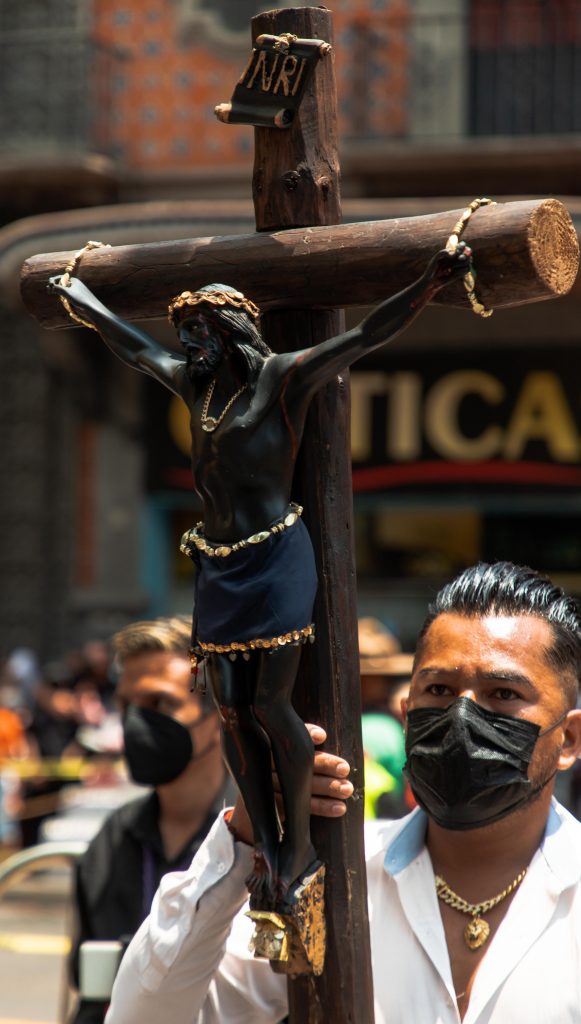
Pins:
x: 553, y: 246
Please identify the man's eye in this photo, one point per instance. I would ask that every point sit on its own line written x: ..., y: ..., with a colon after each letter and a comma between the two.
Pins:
x: 505, y: 693
x: 166, y: 706
x: 162, y: 705
x: 438, y: 690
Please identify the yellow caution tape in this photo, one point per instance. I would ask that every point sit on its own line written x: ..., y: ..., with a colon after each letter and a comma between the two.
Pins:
x: 49, y: 768
x: 43, y: 945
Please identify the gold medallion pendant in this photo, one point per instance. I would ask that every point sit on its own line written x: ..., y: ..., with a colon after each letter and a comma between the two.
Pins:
x: 210, y: 423
x: 476, y: 933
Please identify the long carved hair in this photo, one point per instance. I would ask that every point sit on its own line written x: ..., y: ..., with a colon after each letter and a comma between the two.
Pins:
x: 246, y: 340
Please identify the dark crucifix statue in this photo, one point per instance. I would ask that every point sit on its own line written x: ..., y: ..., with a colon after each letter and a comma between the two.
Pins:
x: 256, y: 577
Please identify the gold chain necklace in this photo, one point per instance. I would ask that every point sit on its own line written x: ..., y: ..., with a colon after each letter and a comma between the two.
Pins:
x: 477, y: 930
x: 210, y: 423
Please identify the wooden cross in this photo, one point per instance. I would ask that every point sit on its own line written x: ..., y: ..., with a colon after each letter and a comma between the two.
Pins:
x: 299, y: 267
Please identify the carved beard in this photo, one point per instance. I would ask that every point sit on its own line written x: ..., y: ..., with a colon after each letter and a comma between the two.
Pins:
x: 204, y: 363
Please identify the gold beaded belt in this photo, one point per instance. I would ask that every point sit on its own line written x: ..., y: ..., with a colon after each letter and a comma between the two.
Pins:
x: 296, y: 636
x: 195, y: 536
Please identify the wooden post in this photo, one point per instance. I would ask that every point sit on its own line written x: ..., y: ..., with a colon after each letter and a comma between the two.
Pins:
x: 296, y: 183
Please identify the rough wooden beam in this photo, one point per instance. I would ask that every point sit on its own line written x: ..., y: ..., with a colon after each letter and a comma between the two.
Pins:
x: 296, y: 181
x: 525, y: 251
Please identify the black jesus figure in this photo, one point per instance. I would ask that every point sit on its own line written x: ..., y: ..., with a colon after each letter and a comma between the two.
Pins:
x: 256, y: 577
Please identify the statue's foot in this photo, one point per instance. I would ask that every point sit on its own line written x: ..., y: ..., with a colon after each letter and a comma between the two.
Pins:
x: 293, y: 935
x: 293, y: 862
x: 261, y: 882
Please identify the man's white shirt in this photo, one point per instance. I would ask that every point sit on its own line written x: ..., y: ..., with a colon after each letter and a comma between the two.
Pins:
x: 189, y: 963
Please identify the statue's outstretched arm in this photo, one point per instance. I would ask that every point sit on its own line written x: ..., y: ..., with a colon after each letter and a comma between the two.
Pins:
x: 314, y: 367
x: 130, y: 344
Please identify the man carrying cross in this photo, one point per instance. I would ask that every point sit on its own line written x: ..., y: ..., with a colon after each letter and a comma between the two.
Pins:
x: 256, y: 578
x: 475, y: 897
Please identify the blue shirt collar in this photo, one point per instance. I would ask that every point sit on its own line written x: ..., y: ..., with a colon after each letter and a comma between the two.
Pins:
x: 407, y: 844
x: 561, y: 845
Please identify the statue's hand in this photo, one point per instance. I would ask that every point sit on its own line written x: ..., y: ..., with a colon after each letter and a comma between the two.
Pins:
x: 446, y: 266
x: 54, y: 286
x: 75, y: 291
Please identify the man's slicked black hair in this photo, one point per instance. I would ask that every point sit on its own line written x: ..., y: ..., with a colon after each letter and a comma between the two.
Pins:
x: 502, y: 588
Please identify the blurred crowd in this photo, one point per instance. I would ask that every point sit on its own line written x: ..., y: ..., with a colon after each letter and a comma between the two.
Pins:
x: 58, y: 725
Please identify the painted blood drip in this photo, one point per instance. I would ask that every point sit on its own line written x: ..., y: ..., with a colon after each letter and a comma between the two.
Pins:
x: 229, y: 719
x: 289, y: 426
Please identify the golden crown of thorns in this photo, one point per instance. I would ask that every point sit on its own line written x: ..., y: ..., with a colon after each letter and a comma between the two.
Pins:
x: 230, y: 298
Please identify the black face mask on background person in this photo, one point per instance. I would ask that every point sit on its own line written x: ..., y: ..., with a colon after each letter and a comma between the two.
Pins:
x: 158, y: 748
x: 468, y: 766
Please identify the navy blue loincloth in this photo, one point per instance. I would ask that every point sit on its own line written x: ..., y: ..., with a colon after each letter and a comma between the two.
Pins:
x: 259, y: 597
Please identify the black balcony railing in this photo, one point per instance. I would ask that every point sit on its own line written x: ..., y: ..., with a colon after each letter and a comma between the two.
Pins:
x: 454, y: 68
x: 55, y: 92
x: 524, y: 67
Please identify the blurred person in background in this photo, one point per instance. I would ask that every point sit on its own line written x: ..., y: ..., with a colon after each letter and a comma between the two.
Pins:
x: 66, y: 698
x: 381, y: 795
x: 95, y: 674
x: 398, y: 676
x: 10, y: 810
x: 73, y: 691
x: 13, y: 741
x: 172, y: 744
x: 386, y: 790
x: 385, y: 678
x: 14, y: 746
x: 376, y: 645
x: 21, y: 672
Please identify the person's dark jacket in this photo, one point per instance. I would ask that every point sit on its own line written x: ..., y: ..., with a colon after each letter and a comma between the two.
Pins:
x: 118, y: 875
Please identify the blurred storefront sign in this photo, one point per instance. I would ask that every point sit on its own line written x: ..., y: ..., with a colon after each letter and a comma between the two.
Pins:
x: 511, y: 420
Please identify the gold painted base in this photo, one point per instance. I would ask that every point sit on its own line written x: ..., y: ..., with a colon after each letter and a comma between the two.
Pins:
x: 294, y: 941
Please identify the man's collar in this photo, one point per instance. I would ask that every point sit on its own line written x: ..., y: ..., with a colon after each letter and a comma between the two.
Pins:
x: 408, y: 843
x: 561, y: 845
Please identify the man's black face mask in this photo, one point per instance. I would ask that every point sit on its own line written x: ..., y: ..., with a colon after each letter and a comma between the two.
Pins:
x: 157, y: 748
x: 467, y: 766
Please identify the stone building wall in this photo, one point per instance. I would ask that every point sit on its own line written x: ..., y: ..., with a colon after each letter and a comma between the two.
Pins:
x: 36, y: 444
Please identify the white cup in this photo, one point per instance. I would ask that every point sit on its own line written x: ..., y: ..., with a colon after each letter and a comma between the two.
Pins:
x: 98, y: 965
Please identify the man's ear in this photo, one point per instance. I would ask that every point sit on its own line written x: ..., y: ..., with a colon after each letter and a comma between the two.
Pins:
x: 571, y: 749
x: 404, y: 710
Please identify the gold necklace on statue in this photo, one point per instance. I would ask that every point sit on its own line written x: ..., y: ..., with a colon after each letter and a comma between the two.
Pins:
x: 210, y: 423
x: 477, y: 930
